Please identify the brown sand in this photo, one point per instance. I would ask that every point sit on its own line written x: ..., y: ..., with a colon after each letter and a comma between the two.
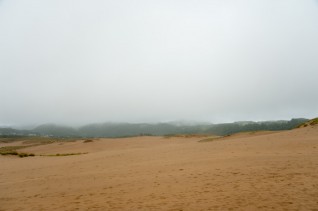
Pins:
x: 261, y: 171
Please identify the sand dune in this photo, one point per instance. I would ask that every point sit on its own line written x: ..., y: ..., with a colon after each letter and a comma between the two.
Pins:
x: 252, y: 171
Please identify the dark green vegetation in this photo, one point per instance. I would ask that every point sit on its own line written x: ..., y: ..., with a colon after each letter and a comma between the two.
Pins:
x: 27, y: 142
x: 311, y: 122
x: 34, y: 140
x: 159, y: 129
x: 11, y: 150
x: 186, y: 136
x: 210, y: 139
x: 22, y: 155
x: 88, y: 141
x: 66, y: 154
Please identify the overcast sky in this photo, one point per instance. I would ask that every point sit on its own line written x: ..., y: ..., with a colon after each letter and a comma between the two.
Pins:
x: 78, y: 62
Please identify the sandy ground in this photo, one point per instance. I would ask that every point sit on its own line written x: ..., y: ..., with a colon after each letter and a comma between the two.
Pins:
x: 258, y: 171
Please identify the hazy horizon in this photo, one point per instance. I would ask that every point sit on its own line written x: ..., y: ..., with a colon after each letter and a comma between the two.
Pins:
x: 175, y: 121
x: 157, y: 61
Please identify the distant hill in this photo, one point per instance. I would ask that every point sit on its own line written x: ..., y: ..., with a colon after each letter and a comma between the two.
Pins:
x: 56, y: 130
x: 311, y: 122
x: 231, y: 128
x: 15, y: 132
x: 127, y: 129
x: 158, y: 129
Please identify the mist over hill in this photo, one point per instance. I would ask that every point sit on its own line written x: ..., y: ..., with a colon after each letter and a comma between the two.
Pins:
x: 156, y: 129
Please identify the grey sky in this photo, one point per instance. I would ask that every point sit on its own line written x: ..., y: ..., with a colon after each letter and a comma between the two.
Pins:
x: 77, y: 62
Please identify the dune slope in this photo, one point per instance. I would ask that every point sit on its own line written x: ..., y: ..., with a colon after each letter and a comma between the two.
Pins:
x: 269, y: 171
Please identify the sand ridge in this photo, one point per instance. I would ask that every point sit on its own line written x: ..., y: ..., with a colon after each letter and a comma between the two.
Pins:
x: 269, y: 171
